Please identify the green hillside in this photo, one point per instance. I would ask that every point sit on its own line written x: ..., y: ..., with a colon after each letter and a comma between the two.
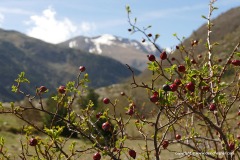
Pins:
x: 50, y: 65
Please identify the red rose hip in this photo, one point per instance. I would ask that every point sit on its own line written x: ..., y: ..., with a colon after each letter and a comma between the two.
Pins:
x: 235, y: 62
x: 163, y: 55
x: 165, y: 144
x: 106, y: 100
x: 106, y: 126
x: 173, y: 87
x: 62, y: 89
x: 151, y: 57
x: 82, y: 68
x: 97, y: 156
x: 177, y: 82
x: 190, y: 86
x: 42, y: 89
x: 181, y: 68
x: 33, y: 142
x: 132, y: 153
x: 212, y: 107
x: 178, y: 136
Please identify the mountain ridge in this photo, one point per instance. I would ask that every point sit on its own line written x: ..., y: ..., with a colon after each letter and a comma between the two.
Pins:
x: 50, y: 65
x: 126, y: 51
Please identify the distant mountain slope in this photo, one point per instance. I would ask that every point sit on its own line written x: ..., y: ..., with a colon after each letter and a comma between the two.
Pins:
x: 226, y: 32
x: 50, y: 65
x: 124, y: 50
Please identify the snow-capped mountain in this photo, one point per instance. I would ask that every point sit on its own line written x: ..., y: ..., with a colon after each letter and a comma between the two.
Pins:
x: 124, y: 50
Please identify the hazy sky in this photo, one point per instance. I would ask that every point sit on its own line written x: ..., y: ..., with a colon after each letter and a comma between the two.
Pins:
x: 55, y: 21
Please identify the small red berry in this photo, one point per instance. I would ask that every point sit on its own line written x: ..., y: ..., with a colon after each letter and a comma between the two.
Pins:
x: 106, y: 101
x: 193, y: 61
x: 212, y: 107
x: 219, y: 60
x: 149, y: 35
x: 181, y: 68
x: 238, y: 113
x: 173, y: 59
x: 42, y: 89
x: 236, y: 62
x: 238, y: 136
x: 132, y: 153
x: 33, y: 142
x: 114, y: 149
x: 106, y: 126
x: 154, y: 98
x: 105, y: 148
x: 199, y: 56
x: 122, y: 93
x: 97, y: 156
x: 82, y: 68
x: 98, y: 115
x: 163, y: 55
x: 190, y: 86
x: 177, y: 82
x: 178, y: 136
x: 130, y: 112
x: 155, y: 93
x: 151, y: 57
x: 129, y: 30
x: 173, y: 87
x: 205, y: 88
x: 231, y: 146
x: 62, y: 89
x: 132, y: 105
x: 143, y: 40
x: 165, y: 144
x: 195, y: 42
x: 177, y: 47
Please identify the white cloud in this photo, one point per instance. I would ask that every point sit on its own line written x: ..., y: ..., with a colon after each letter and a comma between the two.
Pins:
x: 46, y: 27
x: 50, y: 29
x: 86, y: 28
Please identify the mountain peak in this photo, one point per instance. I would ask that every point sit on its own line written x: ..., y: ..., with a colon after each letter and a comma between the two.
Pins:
x: 124, y: 50
x: 105, y: 39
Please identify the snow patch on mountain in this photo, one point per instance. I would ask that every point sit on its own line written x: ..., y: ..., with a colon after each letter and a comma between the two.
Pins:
x: 150, y: 47
x: 73, y: 44
x: 86, y: 40
x: 96, y: 44
x: 105, y: 39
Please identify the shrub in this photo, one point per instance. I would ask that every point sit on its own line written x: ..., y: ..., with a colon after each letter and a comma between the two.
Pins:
x: 191, y: 116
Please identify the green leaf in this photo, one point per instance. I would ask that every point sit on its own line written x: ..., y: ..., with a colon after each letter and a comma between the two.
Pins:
x: 71, y: 86
x: 237, y: 53
x: 21, y: 78
x: 156, y: 36
x: 135, y: 20
x: 153, y: 66
x: 128, y: 9
x: 14, y: 88
x: 187, y: 60
x: 149, y: 26
x: 204, y: 17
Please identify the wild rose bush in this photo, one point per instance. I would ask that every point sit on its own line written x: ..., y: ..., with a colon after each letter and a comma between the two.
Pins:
x: 191, y: 110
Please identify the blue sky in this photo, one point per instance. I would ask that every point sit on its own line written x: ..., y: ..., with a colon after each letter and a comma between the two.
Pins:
x: 55, y: 21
